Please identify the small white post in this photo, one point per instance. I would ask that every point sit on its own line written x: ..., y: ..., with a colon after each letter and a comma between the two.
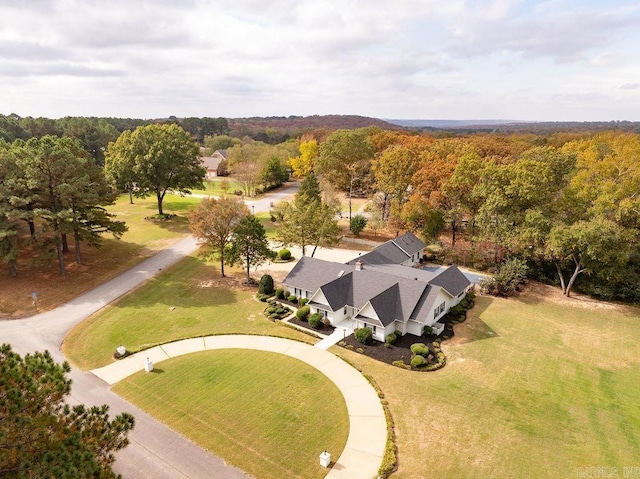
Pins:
x: 148, y: 365
x: 121, y: 350
x: 325, y: 459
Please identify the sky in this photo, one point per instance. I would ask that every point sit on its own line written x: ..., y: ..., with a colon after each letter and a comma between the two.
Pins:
x: 555, y: 60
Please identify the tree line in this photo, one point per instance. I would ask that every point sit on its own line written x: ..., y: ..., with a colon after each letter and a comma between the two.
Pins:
x: 567, y: 205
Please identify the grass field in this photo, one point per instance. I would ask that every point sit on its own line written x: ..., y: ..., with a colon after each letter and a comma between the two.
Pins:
x: 534, y: 387
x: 143, y: 239
x: 213, y: 187
x: 202, y: 302
x: 268, y: 414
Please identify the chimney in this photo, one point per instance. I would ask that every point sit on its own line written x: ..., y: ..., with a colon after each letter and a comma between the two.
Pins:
x: 358, y: 265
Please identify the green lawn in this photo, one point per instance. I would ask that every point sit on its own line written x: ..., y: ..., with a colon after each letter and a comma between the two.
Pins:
x: 266, y: 413
x: 147, y: 233
x: 213, y: 187
x: 532, y: 388
x: 202, y: 304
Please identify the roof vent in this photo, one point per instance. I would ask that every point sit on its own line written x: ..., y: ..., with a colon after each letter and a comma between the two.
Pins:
x: 416, y: 279
x: 358, y: 265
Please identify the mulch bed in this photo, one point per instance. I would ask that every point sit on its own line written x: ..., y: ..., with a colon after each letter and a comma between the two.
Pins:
x: 400, y: 350
x: 322, y: 330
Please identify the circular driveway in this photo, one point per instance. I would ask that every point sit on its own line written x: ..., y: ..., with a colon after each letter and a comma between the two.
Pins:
x: 364, y: 450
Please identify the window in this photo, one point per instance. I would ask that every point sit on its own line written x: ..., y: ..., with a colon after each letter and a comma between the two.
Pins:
x: 345, y: 310
x: 374, y: 329
x: 439, y: 310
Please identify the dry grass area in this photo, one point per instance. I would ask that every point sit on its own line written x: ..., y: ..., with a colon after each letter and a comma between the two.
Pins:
x: 535, y: 386
x: 143, y: 239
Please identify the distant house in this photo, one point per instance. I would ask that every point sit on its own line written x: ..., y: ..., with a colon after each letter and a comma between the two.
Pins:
x: 380, y: 290
x: 212, y: 163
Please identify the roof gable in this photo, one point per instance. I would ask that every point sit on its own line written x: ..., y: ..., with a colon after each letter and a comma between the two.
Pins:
x: 409, y: 243
x: 452, y: 281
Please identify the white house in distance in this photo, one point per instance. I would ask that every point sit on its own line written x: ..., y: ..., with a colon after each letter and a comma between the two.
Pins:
x: 380, y: 290
x: 212, y: 163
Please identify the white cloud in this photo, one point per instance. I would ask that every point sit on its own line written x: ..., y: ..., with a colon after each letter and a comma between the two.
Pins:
x: 412, y: 58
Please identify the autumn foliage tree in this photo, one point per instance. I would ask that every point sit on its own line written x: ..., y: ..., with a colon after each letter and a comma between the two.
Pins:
x: 213, y: 221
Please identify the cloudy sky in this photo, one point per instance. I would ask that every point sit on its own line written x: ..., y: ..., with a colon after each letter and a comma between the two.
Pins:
x: 427, y: 59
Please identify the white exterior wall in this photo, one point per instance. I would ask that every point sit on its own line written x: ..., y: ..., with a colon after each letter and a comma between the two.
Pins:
x: 413, y: 327
x: 380, y: 332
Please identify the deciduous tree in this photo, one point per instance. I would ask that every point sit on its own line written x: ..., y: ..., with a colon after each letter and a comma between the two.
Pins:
x: 158, y: 158
x: 213, y: 221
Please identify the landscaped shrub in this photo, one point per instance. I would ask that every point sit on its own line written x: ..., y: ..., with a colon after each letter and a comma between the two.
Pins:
x: 428, y: 331
x: 418, y: 361
x: 315, y: 320
x: 284, y: 254
x: 363, y: 335
x: 456, y: 310
x: 280, y: 293
x: 359, y: 350
x: 510, y: 275
x: 279, y: 310
x: 391, y: 338
x: 271, y: 309
x: 303, y: 301
x: 293, y: 299
x: 262, y: 297
x: 349, y: 346
x: 420, y: 349
x: 401, y: 364
x: 357, y: 224
x: 303, y: 313
x: 265, y: 286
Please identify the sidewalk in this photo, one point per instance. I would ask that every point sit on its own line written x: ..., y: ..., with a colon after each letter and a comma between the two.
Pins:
x: 364, y: 450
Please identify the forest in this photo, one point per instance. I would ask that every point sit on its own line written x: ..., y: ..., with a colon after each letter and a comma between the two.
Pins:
x: 563, y: 204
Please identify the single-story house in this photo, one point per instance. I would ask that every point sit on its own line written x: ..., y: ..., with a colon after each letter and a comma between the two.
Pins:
x: 386, y: 297
x: 212, y: 163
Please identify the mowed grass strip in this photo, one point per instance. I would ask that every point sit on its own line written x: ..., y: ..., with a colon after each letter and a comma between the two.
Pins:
x: 266, y: 413
x: 188, y: 300
x: 532, y: 388
x: 214, y: 186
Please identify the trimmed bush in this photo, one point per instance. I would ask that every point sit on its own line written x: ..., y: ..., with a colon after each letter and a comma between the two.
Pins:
x: 418, y: 361
x: 280, y: 293
x: 359, y: 350
x: 420, y: 349
x: 303, y: 313
x: 303, y: 301
x: 357, y: 224
x: 401, y: 364
x: 363, y: 335
x: 315, y: 320
x: 457, y: 310
x: 349, y: 346
x: 292, y: 299
x: 280, y: 310
x: 271, y: 309
x: 391, y: 338
x: 284, y: 254
x: 428, y: 331
x: 265, y: 286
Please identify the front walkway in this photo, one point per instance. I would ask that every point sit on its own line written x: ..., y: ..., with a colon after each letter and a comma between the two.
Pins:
x: 364, y: 450
x: 341, y: 331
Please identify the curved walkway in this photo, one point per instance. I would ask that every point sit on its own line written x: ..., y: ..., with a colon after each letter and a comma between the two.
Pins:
x: 364, y: 450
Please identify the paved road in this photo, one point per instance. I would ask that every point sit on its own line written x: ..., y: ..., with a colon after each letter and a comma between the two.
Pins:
x: 155, y: 450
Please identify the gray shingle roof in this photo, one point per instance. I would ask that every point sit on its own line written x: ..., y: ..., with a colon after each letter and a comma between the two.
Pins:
x: 311, y: 273
x: 409, y: 243
x: 395, y: 251
x: 452, y: 280
x: 386, y: 253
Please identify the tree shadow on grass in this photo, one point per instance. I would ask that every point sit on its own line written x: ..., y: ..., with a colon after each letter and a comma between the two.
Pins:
x: 474, y: 328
